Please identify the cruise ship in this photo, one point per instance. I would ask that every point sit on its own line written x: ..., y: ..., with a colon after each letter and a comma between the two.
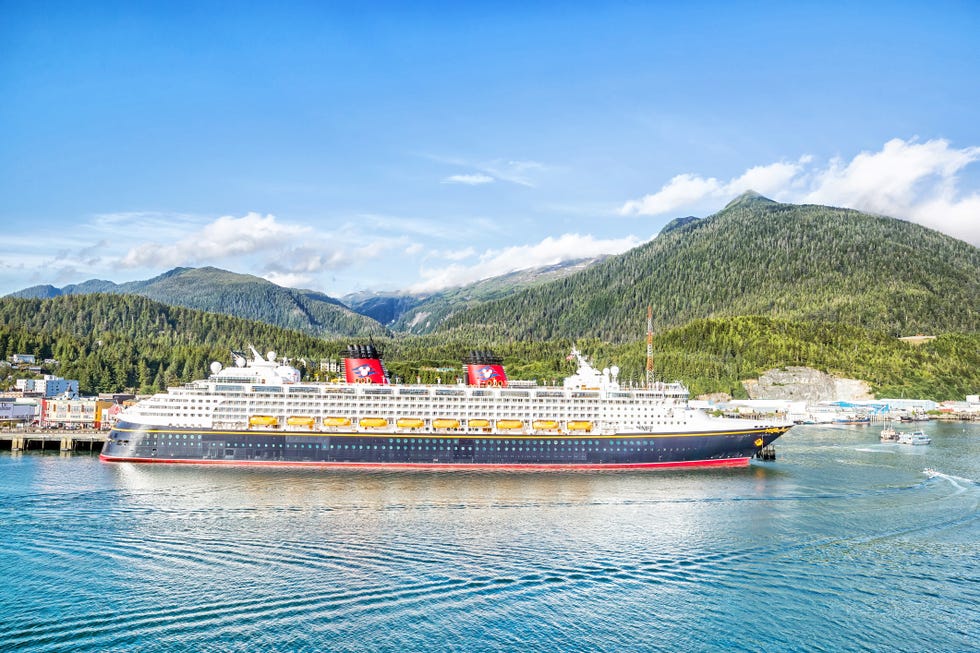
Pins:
x: 259, y: 412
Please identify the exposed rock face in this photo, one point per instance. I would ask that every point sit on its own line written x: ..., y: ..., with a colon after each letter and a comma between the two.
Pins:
x: 806, y: 384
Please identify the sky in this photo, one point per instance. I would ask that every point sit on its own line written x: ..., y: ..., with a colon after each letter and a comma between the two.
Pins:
x: 349, y: 147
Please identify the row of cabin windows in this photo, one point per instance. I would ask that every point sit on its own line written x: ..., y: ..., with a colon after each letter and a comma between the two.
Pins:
x: 360, y: 447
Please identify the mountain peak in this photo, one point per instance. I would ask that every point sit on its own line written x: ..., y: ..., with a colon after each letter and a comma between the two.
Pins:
x: 747, y: 198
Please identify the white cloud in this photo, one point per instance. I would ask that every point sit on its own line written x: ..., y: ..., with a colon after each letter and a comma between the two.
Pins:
x: 226, y: 237
x: 469, y: 180
x: 689, y: 190
x: 522, y: 173
x: 905, y: 179
x: 549, y: 251
x: 289, y: 279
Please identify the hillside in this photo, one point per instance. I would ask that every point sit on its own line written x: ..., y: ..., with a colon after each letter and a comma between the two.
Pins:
x: 757, y: 257
x: 114, y: 343
x: 240, y: 295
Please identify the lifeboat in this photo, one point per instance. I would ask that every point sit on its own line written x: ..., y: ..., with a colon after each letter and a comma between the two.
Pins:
x: 299, y: 420
x: 544, y: 424
x: 408, y: 423
x: 373, y: 422
x: 336, y: 421
x: 445, y: 423
x: 580, y: 425
x: 263, y: 420
x: 509, y: 424
x: 478, y: 423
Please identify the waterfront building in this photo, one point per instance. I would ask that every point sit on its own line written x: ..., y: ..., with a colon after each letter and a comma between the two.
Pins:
x: 12, y: 410
x: 82, y: 412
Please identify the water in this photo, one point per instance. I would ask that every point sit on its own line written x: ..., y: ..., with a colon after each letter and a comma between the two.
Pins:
x: 843, y: 543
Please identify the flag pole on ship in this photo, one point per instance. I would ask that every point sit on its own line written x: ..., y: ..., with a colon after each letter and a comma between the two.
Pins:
x: 649, y: 347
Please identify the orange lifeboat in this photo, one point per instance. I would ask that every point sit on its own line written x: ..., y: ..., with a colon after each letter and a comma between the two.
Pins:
x: 336, y: 421
x: 408, y: 423
x: 544, y: 425
x: 300, y: 420
x: 373, y: 422
x: 509, y: 424
x: 580, y: 425
x: 478, y: 423
x: 263, y: 420
x: 445, y: 423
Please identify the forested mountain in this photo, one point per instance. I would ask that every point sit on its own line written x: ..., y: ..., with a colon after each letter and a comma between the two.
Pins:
x: 407, y: 313
x: 241, y: 295
x: 757, y: 257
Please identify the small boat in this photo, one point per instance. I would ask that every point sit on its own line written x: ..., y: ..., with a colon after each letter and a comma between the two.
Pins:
x: 852, y: 419
x: 300, y: 420
x: 263, y: 420
x: 478, y: 423
x: 509, y: 424
x: 580, y: 425
x: 889, y: 434
x: 336, y: 421
x: 373, y: 422
x: 445, y: 423
x: 914, y: 437
x: 544, y: 425
x: 408, y: 423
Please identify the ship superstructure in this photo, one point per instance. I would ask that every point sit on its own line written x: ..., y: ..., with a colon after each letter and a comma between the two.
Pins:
x: 258, y: 411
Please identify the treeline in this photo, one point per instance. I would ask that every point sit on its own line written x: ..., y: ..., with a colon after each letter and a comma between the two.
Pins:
x: 111, y: 343
x: 114, y: 343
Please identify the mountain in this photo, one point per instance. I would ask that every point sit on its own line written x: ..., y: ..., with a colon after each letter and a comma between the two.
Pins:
x: 420, y: 314
x: 755, y: 257
x: 242, y: 295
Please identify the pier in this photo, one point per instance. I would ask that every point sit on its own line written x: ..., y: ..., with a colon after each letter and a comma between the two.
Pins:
x: 18, y: 439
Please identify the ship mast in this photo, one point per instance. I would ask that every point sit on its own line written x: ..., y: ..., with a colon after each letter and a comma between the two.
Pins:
x: 649, y: 347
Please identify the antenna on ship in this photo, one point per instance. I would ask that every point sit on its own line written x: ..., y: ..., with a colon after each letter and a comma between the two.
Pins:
x: 649, y: 347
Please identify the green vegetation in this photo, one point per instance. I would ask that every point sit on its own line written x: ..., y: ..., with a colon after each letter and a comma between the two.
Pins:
x: 112, y: 343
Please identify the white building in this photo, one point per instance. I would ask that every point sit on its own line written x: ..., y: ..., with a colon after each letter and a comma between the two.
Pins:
x: 49, y: 386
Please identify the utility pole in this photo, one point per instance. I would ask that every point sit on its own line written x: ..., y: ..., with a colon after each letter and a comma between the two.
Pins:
x: 649, y: 347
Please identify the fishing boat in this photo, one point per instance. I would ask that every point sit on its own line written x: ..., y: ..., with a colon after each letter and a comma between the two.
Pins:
x: 889, y: 434
x: 259, y: 411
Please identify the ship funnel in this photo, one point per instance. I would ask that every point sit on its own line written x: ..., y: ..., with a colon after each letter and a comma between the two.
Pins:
x: 364, y: 365
x: 484, y: 368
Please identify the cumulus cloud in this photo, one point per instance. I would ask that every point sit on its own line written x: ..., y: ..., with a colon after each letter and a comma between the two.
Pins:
x: 905, y: 179
x: 469, y: 180
x: 688, y: 189
x: 495, y: 262
x: 225, y: 237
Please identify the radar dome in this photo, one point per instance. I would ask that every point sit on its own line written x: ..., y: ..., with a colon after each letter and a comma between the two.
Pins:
x: 215, y: 367
x: 271, y: 356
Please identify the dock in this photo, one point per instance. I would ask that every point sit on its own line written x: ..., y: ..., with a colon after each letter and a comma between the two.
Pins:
x: 18, y: 439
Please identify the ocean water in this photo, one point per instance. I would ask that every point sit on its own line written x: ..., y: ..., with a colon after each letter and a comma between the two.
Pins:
x: 842, y: 543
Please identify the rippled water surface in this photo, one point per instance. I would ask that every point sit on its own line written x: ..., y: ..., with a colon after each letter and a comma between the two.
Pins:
x: 842, y: 543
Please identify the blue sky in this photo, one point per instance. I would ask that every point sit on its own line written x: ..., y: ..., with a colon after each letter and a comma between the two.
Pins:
x: 349, y: 147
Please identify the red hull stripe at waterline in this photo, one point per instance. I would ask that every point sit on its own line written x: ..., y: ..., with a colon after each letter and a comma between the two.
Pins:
x: 726, y: 462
